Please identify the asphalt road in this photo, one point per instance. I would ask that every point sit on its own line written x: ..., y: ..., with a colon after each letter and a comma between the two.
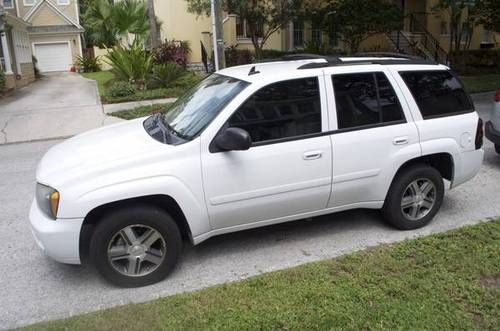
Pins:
x: 33, y: 288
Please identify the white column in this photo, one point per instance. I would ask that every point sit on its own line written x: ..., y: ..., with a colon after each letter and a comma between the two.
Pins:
x: 6, y: 55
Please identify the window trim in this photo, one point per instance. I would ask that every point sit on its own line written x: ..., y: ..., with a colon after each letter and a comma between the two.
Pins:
x: 214, y: 149
x: 454, y: 75
x: 373, y: 125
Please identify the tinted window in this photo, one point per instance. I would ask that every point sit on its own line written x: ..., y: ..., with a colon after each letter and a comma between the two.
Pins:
x: 365, y: 99
x: 437, y: 93
x: 281, y: 110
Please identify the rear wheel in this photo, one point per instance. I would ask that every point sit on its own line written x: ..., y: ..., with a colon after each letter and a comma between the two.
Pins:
x: 414, y: 198
x: 497, y: 148
x: 136, y: 246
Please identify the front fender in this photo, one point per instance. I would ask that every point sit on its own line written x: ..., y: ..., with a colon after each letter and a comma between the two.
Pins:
x: 193, y: 207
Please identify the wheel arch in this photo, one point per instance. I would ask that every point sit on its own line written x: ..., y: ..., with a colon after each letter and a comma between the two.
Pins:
x: 164, y: 202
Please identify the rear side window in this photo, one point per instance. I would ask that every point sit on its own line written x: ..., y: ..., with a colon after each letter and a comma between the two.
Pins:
x: 365, y: 99
x: 281, y: 110
x: 437, y: 93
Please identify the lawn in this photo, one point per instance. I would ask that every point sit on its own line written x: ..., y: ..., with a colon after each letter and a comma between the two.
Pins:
x: 178, y: 88
x: 141, y: 111
x: 442, y: 282
x: 481, y: 83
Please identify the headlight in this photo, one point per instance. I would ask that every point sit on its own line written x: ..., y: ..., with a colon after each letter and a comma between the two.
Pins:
x: 47, y: 199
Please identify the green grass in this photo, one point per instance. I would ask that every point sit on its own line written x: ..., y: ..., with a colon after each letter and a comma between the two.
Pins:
x: 141, y: 111
x: 442, y: 282
x: 481, y: 83
x: 178, y: 88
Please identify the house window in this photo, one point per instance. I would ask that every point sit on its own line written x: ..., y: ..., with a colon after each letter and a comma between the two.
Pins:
x: 316, y: 34
x: 29, y: 2
x: 487, y: 36
x: 243, y: 29
x: 333, y: 39
x: 63, y: 2
x: 22, y: 46
x: 298, y: 34
x: 8, y: 4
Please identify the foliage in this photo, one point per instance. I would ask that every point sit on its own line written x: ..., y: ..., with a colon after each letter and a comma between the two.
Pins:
x: 172, y: 51
x: 120, y: 89
x: 357, y: 20
x: 236, y: 56
x: 263, y: 17
x: 2, y: 80
x: 447, y: 281
x: 38, y: 75
x: 142, y: 111
x: 488, y: 14
x: 481, y: 61
x: 133, y: 65
x: 88, y: 63
x: 108, y: 24
x: 166, y: 73
x: 481, y: 83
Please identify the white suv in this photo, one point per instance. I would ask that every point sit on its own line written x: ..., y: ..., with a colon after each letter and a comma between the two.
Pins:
x: 252, y: 146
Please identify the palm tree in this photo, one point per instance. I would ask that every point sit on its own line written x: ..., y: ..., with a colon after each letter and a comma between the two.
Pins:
x: 109, y: 24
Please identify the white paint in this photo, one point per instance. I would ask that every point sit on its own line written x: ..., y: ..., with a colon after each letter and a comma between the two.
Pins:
x: 6, y: 54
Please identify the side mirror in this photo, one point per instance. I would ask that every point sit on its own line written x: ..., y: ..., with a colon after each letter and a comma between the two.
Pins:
x: 233, y: 139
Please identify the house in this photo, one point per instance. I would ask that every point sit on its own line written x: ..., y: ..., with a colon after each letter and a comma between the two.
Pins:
x: 47, y: 29
x: 425, y: 32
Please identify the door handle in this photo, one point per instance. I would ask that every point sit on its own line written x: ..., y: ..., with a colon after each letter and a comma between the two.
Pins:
x: 400, y: 141
x: 312, y: 155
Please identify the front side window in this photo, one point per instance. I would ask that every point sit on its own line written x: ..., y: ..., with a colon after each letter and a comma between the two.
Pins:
x: 191, y: 113
x: 437, y: 93
x: 281, y: 110
x: 365, y: 99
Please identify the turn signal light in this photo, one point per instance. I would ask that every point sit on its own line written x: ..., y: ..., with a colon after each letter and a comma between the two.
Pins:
x: 54, y: 203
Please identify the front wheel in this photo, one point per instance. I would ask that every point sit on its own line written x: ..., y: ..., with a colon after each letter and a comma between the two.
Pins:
x: 414, y: 198
x: 136, y: 246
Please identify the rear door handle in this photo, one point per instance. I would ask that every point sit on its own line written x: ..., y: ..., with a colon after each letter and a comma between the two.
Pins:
x: 312, y: 155
x: 400, y: 141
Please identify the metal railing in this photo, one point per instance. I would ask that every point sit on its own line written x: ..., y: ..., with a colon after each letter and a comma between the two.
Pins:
x: 427, y: 40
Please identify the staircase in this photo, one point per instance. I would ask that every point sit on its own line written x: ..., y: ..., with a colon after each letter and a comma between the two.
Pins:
x: 420, y: 42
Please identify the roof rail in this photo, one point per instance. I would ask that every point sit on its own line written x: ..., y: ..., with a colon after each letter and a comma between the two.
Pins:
x: 388, y: 54
x: 381, y: 61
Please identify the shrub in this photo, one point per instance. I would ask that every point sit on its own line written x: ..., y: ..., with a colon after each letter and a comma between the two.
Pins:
x: 236, y: 57
x: 88, y: 64
x: 2, y: 80
x: 120, y: 89
x: 172, y: 51
x: 166, y: 73
x: 133, y: 65
x: 476, y: 62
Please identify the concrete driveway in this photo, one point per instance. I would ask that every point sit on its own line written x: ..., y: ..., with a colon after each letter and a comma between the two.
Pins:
x: 58, y: 105
x: 34, y: 288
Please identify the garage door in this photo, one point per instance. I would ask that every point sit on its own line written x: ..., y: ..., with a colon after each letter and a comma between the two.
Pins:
x: 53, y: 57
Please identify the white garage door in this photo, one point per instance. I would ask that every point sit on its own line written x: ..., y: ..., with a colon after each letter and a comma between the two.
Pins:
x: 53, y: 57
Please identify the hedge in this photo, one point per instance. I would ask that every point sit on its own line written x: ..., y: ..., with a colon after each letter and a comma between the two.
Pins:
x: 476, y: 62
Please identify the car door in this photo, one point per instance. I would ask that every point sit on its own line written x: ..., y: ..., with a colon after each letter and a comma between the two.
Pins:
x: 288, y: 169
x: 375, y: 134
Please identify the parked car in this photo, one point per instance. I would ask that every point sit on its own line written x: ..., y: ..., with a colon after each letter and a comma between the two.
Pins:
x: 493, y: 125
x: 252, y: 146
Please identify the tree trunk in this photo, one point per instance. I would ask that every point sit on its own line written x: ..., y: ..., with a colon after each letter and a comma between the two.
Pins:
x: 153, y: 31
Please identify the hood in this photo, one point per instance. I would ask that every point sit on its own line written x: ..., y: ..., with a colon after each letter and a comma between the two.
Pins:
x: 96, y: 149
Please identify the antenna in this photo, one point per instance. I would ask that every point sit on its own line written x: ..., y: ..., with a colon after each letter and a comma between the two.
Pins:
x: 253, y: 71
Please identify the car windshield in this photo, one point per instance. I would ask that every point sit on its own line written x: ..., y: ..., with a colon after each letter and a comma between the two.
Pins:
x: 196, y: 109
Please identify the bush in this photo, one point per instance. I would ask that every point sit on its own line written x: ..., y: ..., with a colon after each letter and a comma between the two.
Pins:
x: 133, y: 65
x: 172, y: 51
x: 235, y: 57
x: 120, y: 89
x: 476, y: 62
x: 2, y: 80
x: 88, y: 64
x: 166, y: 73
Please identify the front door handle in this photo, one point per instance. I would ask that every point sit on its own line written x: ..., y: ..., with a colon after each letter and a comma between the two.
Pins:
x: 400, y: 141
x: 312, y: 155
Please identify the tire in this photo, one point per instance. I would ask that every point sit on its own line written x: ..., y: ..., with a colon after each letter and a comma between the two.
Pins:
x: 122, y: 237
x: 497, y: 148
x: 401, y: 213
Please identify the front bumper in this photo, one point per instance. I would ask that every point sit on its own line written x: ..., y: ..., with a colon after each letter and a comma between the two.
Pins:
x: 59, y: 239
x: 491, y: 133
